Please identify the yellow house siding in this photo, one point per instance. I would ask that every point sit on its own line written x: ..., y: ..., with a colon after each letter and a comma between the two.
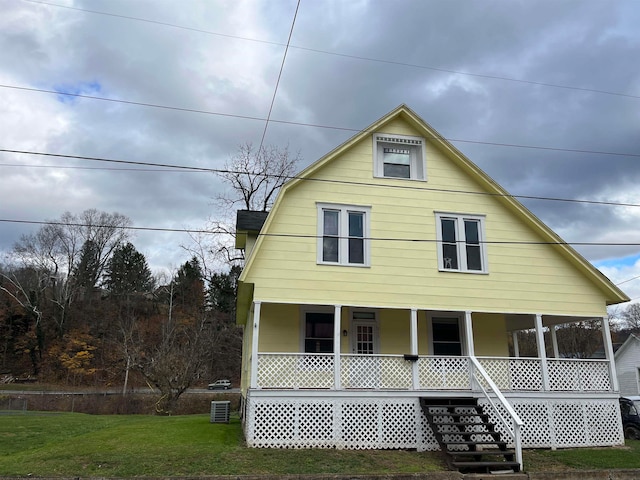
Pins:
x: 489, y: 335
x: 394, y: 331
x: 528, y: 277
x: 282, y: 328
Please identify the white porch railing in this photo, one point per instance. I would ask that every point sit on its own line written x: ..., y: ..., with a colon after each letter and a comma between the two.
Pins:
x: 316, y: 371
x: 513, y: 424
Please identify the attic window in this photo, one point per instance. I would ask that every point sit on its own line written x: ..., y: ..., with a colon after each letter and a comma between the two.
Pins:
x: 399, y: 156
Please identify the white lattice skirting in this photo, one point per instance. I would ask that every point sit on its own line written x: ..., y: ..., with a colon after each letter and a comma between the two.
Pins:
x: 390, y: 423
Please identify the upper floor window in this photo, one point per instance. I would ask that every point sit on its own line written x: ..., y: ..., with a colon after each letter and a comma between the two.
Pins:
x: 399, y: 156
x: 343, y: 234
x: 461, y: 246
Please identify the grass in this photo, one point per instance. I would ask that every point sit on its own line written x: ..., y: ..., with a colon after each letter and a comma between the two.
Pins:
x: 80, y: 445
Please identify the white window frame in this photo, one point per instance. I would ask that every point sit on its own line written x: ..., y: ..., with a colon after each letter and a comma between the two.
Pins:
x: 416, y: 145
x: 461, y: 242
x: 343, y: 233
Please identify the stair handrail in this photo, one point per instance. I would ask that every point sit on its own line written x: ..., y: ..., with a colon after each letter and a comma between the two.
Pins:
x: 517, y: 423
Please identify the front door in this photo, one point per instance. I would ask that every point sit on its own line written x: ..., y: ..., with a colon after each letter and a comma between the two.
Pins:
x: 365, y: 365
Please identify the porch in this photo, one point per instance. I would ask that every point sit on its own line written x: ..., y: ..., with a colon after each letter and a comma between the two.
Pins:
x: 357, y: 380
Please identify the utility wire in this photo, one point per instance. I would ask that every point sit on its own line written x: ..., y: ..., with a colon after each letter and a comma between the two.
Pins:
x: 295, y: 235
x: 628, y: 280
x: 77, y: 167
x: 344, y: 55
x: 322, y: 180
x: 316, y: 125
x: 275, y: 91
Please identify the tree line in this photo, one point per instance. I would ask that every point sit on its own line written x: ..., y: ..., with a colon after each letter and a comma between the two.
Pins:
x: 80, y: 306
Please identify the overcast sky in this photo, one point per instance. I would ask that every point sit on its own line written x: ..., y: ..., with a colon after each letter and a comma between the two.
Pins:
x: 494, y: 77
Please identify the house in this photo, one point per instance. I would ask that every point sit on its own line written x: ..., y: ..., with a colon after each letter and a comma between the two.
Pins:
x: 627, y: 359
x: 393, y: 274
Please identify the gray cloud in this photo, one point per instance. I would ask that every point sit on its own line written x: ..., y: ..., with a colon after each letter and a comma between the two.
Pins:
x: 591, y: 45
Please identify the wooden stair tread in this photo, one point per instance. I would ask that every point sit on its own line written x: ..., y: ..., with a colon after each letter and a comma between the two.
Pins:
x: 478, y: 453
x: 514, y: 465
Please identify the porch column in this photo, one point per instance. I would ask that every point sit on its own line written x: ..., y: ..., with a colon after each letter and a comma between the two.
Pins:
x: 254, y: 344
x: 542, y: 354
x: 413, y: 328
x: 337, y: 331
x: 608, y: 351
x: 516, y: 345
x: 468, y: 332
x: 554, y: 341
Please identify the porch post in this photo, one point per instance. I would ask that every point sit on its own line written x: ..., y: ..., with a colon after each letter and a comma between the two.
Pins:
x: 413, y: 328
x: 608, y: 350
x: 471, y: 351
x: 542, y: 354
x: 468, y: 332
x: 337, y: 310
x: 554, y: 340
x: 254, y: 344
x: 516, y: 345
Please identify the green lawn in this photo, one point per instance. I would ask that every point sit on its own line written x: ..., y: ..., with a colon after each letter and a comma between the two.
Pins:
x: 67, y: 444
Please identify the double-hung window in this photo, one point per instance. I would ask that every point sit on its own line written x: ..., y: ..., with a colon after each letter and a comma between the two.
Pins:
x: 461, y: 246
x: 399, y: 156
x: 343, y: 234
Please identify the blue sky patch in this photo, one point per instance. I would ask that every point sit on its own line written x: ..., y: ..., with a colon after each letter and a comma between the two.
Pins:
x: 618, y: 262
x: 82, y: 88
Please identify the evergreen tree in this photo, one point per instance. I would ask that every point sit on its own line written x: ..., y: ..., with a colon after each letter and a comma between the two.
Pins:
x: 188, y: 285
x: 86, y: 271
x: 127, y: 271
x: 223, y: 289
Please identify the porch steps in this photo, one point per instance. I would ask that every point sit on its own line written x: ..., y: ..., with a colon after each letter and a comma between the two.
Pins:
x: 467, y: 438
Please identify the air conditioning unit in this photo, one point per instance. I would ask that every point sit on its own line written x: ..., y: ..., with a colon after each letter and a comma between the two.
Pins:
x: 220, y: 411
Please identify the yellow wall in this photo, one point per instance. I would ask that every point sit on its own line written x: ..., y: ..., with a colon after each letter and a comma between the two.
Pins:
x: 281, y: 332
x: 522, y: 278
x: 490, y: 335
x: 394, y: 331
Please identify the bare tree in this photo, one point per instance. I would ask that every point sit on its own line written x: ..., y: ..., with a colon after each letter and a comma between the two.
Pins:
x: 631, y: 317
x: 256, y: 175
x: 176, y: 355
x: 56, y: 249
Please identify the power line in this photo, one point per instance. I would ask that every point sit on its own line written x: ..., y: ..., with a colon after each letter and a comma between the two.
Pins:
x: 344, y: 55
x: 152, y: 229
x: 316, y: 125
x: 295, y: 235
x: 284, y: 57
x: 341, y: 182
x: 628, y: 280
x: 77, y: 167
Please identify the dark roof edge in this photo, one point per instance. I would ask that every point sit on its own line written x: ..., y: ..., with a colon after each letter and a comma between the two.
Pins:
x: 250, y: 220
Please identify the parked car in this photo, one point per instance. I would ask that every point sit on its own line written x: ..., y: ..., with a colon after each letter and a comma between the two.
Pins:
x: 222, y: 384
x: 629, y: 408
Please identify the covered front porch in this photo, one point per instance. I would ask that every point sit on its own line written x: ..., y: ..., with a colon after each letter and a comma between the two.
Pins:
x: 353, y: 377
x: 344, y: 348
